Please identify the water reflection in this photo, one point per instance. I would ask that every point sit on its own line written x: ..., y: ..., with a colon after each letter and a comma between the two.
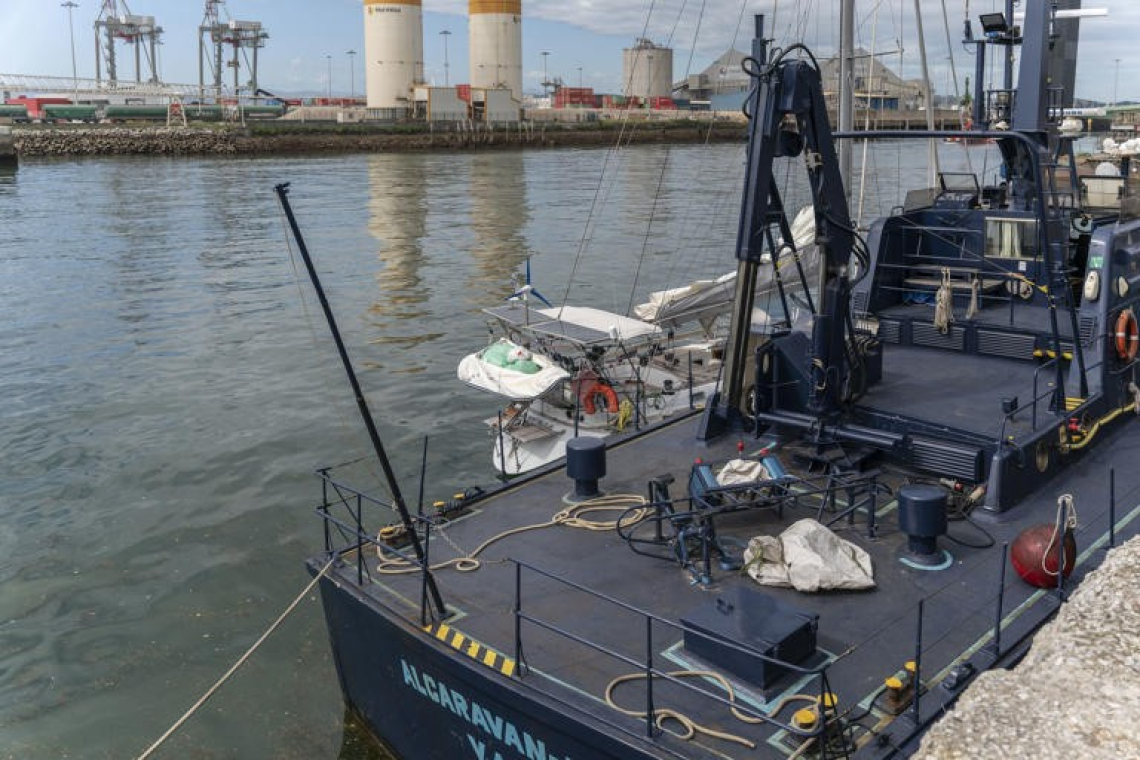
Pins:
x: 8, y: 172
x: 499, y: 211
x: 358, y: 743
x: 397, y: 218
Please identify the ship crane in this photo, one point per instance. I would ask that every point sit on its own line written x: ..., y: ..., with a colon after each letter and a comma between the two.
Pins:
x: 789, y: 119
x: 116, y: 23
x: 216, y: 37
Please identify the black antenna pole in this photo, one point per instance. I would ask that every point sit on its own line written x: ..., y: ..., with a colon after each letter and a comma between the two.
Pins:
x: 282, y: 191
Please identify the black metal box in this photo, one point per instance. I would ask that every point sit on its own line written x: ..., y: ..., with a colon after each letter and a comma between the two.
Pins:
x: 746, y: 619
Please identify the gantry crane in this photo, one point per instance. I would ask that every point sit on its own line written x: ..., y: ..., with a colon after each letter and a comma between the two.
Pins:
x: 116, y: 23
x: 215, y: 36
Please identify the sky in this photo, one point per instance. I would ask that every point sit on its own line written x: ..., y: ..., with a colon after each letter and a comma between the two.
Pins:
x: 310, y: 39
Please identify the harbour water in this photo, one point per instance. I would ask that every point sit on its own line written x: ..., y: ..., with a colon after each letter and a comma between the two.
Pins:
x: 169, y: 389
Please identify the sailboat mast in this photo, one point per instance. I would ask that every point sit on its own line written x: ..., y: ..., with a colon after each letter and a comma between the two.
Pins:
x: 282, y: 191
x: 927, y: 95
x: 846, y: 86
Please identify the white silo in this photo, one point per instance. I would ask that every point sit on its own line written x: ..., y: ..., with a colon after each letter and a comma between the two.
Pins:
x: 393, y: 50
x: 496, y: 45
x: 647, y: 70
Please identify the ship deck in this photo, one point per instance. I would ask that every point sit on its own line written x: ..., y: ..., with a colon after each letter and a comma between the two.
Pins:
x: 588, y: 609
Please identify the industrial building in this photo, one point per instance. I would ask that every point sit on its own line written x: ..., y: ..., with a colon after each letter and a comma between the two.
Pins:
x: 723, y: 85
x: 877, y: 87
x: 394, y: 52
x: 647, y: 71
x: 496, y: 45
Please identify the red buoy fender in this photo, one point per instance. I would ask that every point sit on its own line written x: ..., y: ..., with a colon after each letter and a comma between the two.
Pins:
x: 595, y: 389
x: 1035, y: 554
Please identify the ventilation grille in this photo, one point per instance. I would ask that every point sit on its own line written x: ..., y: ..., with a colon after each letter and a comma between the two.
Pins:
x: 1089, y: 329
x: 948, y: 459
x: 926, y: 335
x: 1005, y: 344
x: 890, y: 331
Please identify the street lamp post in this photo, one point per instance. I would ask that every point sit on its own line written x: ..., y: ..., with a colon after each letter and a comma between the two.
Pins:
x: 351, y: 74
x: 579, y: 77
x: 1116, y: 83
x: 446, y: 62
x: 71, y: 29
x: 545, y: 78
x: 328, y: 57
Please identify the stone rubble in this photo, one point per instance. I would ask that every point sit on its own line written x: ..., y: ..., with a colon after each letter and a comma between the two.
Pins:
x: 285, y: 139
x: 1075, y: 695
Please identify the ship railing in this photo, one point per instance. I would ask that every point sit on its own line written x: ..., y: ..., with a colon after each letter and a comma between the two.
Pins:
x: 346, y: 512
x: 645, y: 662
x: 952, y: 640
x: 1038, y: 397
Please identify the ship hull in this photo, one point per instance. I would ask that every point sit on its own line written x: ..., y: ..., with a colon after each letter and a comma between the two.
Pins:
x: 429, y: 701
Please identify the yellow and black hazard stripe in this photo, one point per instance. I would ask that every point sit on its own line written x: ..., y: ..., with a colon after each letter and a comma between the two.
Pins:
x: 475, y: 650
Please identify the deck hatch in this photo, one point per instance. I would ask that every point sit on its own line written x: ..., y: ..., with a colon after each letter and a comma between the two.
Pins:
x: 744, y: 617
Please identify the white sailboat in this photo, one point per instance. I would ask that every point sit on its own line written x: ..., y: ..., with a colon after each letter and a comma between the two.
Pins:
x: 569, y: 371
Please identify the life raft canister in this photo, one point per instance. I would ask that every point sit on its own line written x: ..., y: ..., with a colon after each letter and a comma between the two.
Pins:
x: 1127, y: 335
x: 590, y: 393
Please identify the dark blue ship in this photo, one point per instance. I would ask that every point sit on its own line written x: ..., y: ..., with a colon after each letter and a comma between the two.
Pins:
x: 968, y: 372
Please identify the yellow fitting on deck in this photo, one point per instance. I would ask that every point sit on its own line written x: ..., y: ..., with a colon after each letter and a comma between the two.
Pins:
x: 805, y: 719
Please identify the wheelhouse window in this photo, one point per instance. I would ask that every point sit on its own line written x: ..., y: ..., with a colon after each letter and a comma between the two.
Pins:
x: 1011, y: 238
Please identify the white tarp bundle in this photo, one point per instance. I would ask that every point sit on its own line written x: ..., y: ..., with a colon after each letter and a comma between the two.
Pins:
x: 518, y: 385
x: 737, y: 471
x: 808, y: 557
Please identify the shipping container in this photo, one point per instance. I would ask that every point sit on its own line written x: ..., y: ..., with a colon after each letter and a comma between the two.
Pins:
x: 60, y: 112
x: 16, y: 112
x: 135, y: 113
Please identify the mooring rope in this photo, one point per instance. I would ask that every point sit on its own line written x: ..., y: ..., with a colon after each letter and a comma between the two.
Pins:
x: 241, y: 661
x: 689, y: 727
x: 571, y: 517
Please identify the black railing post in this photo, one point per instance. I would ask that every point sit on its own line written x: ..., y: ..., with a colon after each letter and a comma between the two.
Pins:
x: 692, y: 401
x: 360, y: 540
x: 518, y: 618
x: 423, y: 478
x: 325, y: 508
x: 915, y: 715
x: 1000, y: 601
x: 502, y: 449
x: 1111, y: 507
x: 425, y: 570
x: 650, y: 710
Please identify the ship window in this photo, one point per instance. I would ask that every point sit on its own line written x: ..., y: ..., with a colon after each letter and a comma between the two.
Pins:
x: 1011, y: 238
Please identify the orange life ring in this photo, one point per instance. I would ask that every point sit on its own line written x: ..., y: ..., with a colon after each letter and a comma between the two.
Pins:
x: 592, y: 391
x: 1127, y: 335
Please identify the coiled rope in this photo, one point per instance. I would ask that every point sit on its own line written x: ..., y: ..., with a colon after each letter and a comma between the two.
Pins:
x: 1066, y: 521
x: 571, y: 517
x: 241, y: 661
x: 944, y: 304
x: 689, y: 727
